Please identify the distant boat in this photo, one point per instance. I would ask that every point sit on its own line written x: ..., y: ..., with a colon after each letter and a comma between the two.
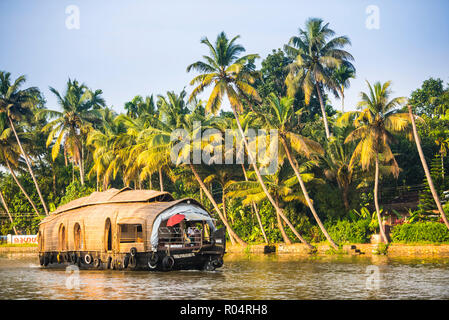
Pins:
x: 127, y: 229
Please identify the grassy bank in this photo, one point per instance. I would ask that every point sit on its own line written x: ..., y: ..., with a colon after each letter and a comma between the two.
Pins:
x: 394, y: 249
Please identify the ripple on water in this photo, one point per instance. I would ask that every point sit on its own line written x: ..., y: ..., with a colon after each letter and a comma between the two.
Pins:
x: 242, y: 277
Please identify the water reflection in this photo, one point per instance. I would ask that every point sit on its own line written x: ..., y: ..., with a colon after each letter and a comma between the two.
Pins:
x: 242, y: 277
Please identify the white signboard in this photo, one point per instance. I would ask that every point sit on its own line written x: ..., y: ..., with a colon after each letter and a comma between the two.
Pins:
x: 23, y: 239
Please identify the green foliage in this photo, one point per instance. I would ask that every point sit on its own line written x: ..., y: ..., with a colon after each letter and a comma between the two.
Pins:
x: 420, y: 232
x: 426, y: 202
x: 74, y: 191
x: 424, y: 100
x: 381, y: 249
x: 344, y: 231
x: 108, y: 146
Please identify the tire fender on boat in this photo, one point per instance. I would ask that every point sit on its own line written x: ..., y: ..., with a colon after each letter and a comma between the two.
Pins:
x: 97, y: 262
x: 168, y: 262
x: 153, y: 260
x: 88, y: 259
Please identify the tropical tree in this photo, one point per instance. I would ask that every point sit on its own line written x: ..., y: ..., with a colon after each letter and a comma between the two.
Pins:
x: 315, y: 56
x: 10, y: 157
x: 140, y: 106
x: 341, y: 77
x: 79, y: 112
x: 426, y: 168
x: 282, y: 185
x: 155, y: 148
x: 232, y: 76
x: 374, y: 129
x: 336, y: 161
x: 18, y: 105
x: 284, y: 119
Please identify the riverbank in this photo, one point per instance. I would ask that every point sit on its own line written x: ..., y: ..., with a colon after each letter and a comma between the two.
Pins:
x: 18, y: 248
x: 394, y: 249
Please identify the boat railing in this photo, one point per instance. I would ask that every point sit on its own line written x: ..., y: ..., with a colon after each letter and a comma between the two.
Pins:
x: 174, y: 237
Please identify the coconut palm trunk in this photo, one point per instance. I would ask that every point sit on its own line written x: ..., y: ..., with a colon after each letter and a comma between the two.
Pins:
x: 426, y: 168
x: 7, y: 211
x: 264, y: 187
x: 256, y: 210
x: 282, y: 229
x: 225, y: 215
x: 161, y: 181
x: 306, y: 194
x: 376, y: 200
x: 28, y: 165
x: 323, y: 110
x: 81, y: 166
x: 22, y: 189
x: 211, y: 199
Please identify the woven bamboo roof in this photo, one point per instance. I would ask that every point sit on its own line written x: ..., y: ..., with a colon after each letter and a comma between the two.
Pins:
x: 125, y: 195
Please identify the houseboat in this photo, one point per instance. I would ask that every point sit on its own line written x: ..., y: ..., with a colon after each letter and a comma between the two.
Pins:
x: 131, y: 229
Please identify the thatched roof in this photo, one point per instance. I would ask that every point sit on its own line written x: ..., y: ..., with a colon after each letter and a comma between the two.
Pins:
x: 125, y: 195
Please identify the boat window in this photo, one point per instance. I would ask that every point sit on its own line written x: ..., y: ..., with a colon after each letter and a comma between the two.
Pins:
x: 108, y: 235
x: 77, y: 237
x: 62, y: 238
x: 131, y: 233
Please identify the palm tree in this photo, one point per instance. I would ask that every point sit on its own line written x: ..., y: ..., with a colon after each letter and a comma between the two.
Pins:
x: 139, y: 106
x: 7, y: 211
x: 281, y: 185
x: 374, y: 129
x: 426, y: 168
x: 336, y: 161
x: 246, y: 120
x: 79, y: 111
x: 232, y: 76
x: 9, y: 157
x: 104, y: 144
x: 17, y: 105
x: 315, y: 57
x: 223, y: 175
x: 155, y: 147
x: 283, y: 118
x: 341, y: 77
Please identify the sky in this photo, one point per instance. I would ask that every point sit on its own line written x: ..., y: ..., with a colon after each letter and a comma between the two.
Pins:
x: 141, y: 47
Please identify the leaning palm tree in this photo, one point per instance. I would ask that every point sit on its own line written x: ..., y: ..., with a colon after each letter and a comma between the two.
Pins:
x: 155, y: 147
x: 232, y: 76
x: 426, y: 168
x: 79, y: 111
x: 247, y: 121
x: 374, y: 129
x: 5, y: 205
x: 9, y: 157
x: 17, y: 105
x: 282, y: 185
x: 282, y: 117
x: 315, y: 56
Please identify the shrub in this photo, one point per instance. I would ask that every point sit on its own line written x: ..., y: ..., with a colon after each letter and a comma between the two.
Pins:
x: 344, y: 231
x: 420, y: 232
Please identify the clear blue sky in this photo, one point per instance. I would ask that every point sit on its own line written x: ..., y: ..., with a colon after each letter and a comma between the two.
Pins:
x: 141, y: 47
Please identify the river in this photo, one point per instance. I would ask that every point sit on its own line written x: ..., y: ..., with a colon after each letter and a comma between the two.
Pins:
x: 242, y: 277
